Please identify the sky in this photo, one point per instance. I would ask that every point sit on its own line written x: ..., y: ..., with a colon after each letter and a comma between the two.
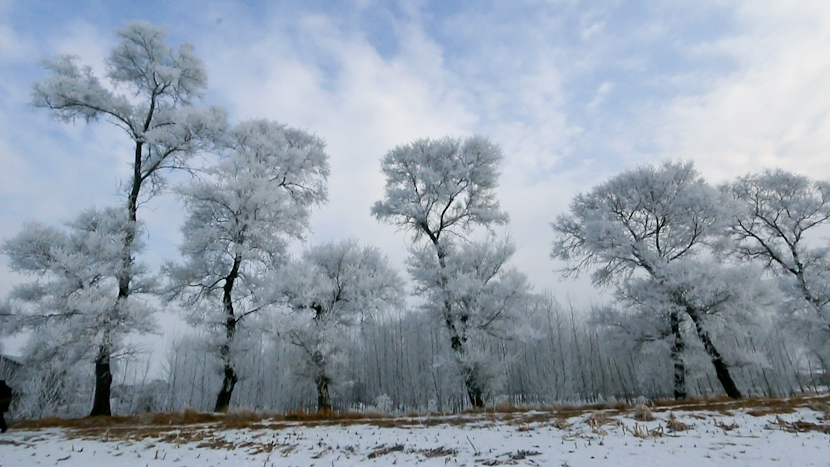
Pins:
x: 573, y: 91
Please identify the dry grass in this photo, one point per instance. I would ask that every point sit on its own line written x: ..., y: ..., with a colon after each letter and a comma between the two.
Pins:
x: 641, y: 431
x: 512, y: 458
x: 312, y: 415
x: 507, y: 407
x: 762, y: 411
x: 726, y: 427
x: 595, y: 420
x: 595, y: 415
x: 760, y: 405
x: 188, y: 416
x: 643, y: 413
x: 820, y: 407
x: 561, y: 424
x: 438, y: 452
x: 674, y: 424
x: 384, y: 450
x: 798, y: 426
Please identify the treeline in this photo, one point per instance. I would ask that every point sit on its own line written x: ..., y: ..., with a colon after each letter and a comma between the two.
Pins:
x: 400, y: 366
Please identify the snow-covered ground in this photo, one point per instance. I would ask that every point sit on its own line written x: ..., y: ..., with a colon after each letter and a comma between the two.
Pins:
x: 733, y: 438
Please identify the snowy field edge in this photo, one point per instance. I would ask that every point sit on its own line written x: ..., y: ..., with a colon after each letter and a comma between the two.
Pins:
x: 752, y: 435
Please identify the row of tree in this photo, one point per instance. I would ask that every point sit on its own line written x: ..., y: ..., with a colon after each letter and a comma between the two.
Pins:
x: 403, y: 363
x: 688, y: 260
x: 692, y: 265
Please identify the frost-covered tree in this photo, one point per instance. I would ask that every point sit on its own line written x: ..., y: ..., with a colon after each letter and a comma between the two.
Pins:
x: 441, y: 190
x: 57, y: 380
x: 151, y: 98
x: 241, y: 216
x: 650, y: 228
x: 331, y: 290
x: 713, y: 302
x: 74, y: 297
x: 485, y: 297
x: 778, y: 224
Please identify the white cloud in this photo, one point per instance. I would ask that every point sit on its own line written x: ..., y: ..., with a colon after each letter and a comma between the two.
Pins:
x: 337, y: 85
x: 592, y: 23
x: 12, y: 48
x: 772, y: 110
x: 602, y: 91
x: 87, y: 42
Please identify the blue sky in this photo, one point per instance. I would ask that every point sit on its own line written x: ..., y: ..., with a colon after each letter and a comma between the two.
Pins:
x: 574, y: 92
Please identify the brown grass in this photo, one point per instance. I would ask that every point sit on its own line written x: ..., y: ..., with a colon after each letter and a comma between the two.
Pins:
x: 762, y: 405
x: 726, y: 427
x: 798, y: 426
x: 507, y: 407
x: 438, y: 452
x: 674, y: 424
x: 596, y: 415
x: 382, y: 451
x: 312, y: 415
x: 820, y: 407
x: 762, y: 411
x: 597, y: 419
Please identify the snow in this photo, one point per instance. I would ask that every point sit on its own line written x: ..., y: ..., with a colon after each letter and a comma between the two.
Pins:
x: 531, y: 438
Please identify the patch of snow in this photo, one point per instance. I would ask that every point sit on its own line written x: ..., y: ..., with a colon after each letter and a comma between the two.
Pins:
x: 712, y: 439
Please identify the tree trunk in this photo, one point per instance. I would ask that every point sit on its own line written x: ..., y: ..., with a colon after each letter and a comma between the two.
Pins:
x: 223, y: 399
x: 323, y: 399
x: 721, y: 369
x: 457, y: 338
x: 474, y: 392
x: 103, y: 383
x: 322, y: 383
x: 103, y: 371
x: 677, y: 358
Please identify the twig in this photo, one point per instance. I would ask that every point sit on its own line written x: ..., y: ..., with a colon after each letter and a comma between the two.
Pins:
x: 476, y: 451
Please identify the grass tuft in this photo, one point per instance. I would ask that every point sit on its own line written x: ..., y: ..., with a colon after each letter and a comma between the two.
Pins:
x: 643, y: 413
x: 674, y: 424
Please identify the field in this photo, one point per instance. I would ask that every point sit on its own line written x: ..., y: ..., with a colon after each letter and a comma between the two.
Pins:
x: 753, y: 432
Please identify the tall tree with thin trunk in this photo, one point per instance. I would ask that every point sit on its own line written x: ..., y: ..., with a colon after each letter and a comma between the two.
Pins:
x: 241, y: 216
x: 441, y: 190
x: 156, y: 111
x: 486, y: 299
x: 649, y: 228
